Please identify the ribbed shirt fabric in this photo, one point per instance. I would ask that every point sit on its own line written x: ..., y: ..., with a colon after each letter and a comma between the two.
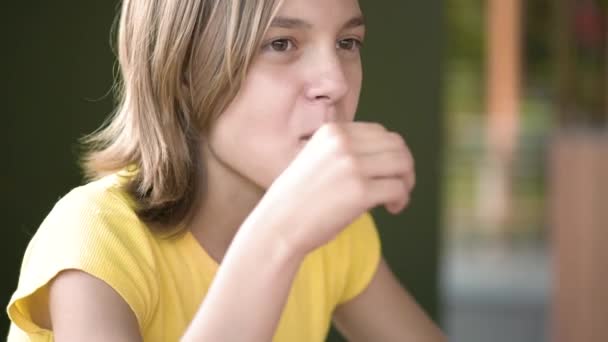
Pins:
x: 95, y: 229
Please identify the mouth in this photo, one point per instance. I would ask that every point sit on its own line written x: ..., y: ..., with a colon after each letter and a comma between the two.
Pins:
x: 307, y: 136
x: 304, y: 139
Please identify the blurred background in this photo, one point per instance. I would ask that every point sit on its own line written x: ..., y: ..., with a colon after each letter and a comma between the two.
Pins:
x: 502, y: 102
x: 526, y: 155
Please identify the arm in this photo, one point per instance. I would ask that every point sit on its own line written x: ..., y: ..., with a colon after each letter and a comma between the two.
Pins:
x: 247, y: 296
x: 343, y: 171
x: 385, y: 312
x: 84, y: 308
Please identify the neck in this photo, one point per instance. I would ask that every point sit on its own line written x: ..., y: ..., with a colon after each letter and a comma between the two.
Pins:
x: 228, y: 199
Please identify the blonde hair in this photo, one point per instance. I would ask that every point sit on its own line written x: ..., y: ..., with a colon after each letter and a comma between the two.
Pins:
x: 181, y: 63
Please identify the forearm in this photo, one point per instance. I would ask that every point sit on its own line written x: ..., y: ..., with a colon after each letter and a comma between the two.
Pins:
x: 249, y: 292
x: 385, y: 311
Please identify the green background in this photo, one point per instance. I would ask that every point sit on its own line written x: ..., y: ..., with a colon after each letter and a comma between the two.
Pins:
x: 58, y: 69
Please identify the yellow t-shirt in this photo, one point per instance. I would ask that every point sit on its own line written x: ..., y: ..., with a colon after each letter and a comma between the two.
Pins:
x: 164, y: 280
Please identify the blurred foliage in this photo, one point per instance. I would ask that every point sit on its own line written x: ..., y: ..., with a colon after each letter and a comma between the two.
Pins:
x: 580, y: 62
x: 465, y: 120
x: 538, y: 49
x: 465, y: 21
x: 464, y: 56
x: 564, y: 57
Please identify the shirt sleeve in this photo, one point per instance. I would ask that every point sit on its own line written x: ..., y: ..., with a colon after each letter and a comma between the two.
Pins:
x: 363, y: 253
x: 96, y: 233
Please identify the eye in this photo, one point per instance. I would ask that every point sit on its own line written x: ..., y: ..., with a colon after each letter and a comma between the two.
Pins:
x: 350, y: 44
x: 280, y: 45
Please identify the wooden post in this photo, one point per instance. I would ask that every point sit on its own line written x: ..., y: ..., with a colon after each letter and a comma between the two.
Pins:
x: 503, y: 107
x: 504, y: 70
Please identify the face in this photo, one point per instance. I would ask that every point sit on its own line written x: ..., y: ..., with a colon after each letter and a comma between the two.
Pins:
x: 307, y: 72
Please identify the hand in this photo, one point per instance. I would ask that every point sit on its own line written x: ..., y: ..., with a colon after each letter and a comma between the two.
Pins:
x: 344, y: 170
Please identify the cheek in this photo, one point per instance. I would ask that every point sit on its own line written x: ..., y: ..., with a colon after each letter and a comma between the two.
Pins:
x: 351, y: 100
x: 269, y: 98
x: 263, y: 102
x: 263, y: 110
x: 255, y: 134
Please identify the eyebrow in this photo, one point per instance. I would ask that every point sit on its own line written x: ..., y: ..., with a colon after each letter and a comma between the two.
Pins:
x: 295, y: 23
x: 354, y: 22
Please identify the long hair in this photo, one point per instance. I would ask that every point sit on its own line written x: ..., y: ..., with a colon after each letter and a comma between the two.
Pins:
x: 181, y: 63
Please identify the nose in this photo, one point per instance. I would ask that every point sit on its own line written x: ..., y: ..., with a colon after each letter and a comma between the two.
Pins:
x: 327, y: 82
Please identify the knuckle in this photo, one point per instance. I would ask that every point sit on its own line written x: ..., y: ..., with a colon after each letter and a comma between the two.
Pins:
x: 412, y: 180
x: 377, y: 126
x: 408, y: 163
x: 411, y: 163
x: 401, y: 190
x: 409, y: 181
x: 406, y: 200
x: 397, y: 138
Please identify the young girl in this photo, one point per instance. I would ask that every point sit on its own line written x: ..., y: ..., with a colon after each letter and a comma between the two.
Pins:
x: 230, y: 189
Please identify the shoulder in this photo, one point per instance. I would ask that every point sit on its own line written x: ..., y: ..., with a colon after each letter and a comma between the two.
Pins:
x: 92, y: 214
x: 92, y: 220
x: 93, y: 229
x: 91, y: 202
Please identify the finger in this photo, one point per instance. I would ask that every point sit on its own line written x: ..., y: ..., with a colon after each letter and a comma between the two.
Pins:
x: 390, y: 192
x: 363, y: 130
x: 389, y: 164
x: 364, y: 137
x: 354, y: 130
x: 374, y: 142
x: 363, y: 127
x: 396, y: 207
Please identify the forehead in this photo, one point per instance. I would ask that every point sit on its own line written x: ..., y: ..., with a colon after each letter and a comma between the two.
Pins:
x: 315, y: 12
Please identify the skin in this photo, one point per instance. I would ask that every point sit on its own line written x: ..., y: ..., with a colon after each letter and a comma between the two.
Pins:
x: 287, y: 140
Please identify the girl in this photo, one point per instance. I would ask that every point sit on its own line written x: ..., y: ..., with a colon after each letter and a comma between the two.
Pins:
x: 230, y: 189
